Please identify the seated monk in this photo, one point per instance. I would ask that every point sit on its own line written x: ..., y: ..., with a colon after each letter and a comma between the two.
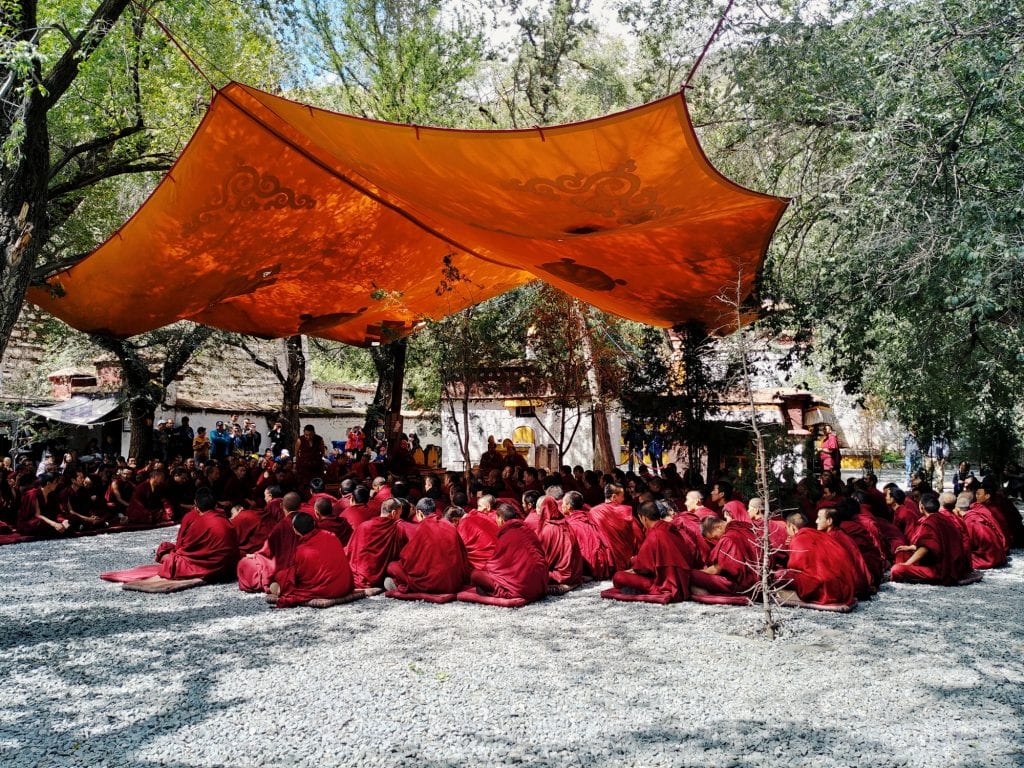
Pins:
x: 38, y: 512
x: 829, y: 521
x: 985, y: 539
x: 947, y: 507
x: 376, y: 543
x: 561, y: 549
x: 985, y: 495
x: 938, y: 555
x: 256, y: 571
x: 434, y: 561
x: 253, y: 526
x: 733, y: 563
x: 479, y: 532
x: 862, y: 527
x: 323, y: 513
x: 358, y: 512
x: 818, y: 567
x: 778, y: 533
x: 408, y: 520
x: 149, y: 503
x: 345, y: 492
x: 614, y: 522
x: 319, y: 569
x: 596, y: 557
x: 206, y: 547
x: 663, y: 565
x: 517, y: 569
x: 530, y: 514
x: 905, y: 513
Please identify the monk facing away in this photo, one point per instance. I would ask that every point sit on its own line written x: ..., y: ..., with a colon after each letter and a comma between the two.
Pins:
x: 375, y: 544
x: 938, y: 555
x: 206, y: 547
x: 253, y: 526
x: 517, y: 569
x: 985, y: 539
x: 561, y: 548
x: 732, y: 568
x: 661, y: 569
x: 434, y: 561
x: 319, y: 568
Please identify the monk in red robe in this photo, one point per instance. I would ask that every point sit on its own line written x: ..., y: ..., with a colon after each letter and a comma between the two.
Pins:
x: 256, y: 571
x: 938, y: 555
x: 594, y: 552
x: 561, y: 550
x: 732, y: 569
x: 614, y: 522
x: 985, y: 494
x: 662, y: 567
x: 985, y: 539
x: 38, y: 511
x: 905, y: 515
x: 479, y: 533
x: 149, y: 504
x: 818, y: 567
x: 358, y: 512
x: 829, y: 521
x: 434, y: 561
x: 206, y: 547
x: 253, y: 526
x: 947, y: 507
x: 531, y: 517
x: 375, y: 544
x: 319, y: 568
x: 778, y: 534
x: 323, y: 513
x: 380, y: 492
x: 517, y: 569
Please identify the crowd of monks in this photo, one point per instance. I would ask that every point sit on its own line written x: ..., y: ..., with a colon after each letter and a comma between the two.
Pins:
x: 516, y: 533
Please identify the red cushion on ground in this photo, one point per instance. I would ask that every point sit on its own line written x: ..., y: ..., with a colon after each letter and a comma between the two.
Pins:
x: 132, y: 574
x: 426, y: 597
x: 720, y: 599
x: 791, y: 603
x: 472, y: 596
x: 618, y: 594
x: 971, y: 578
x: 330, y: 602
x: 156, y: 585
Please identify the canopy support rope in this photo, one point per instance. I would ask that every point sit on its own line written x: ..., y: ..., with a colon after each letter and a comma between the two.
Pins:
x: 707, y: 46
x: 163, y: 28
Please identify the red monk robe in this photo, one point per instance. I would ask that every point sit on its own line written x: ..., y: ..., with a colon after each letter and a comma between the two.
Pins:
x: 357, y: 514
x: 148, y: 505
x: 688, y: 525
x: 479, y: 533
x: 946, y: 561
x: 374, y: 544
x: 256, y: 571
x: 819, y: 568
x: 735, y: 556
x: 863, y: 587
x: 985, y: 538
x: 662, y: 567
x: 561, y: 551
x: 434, y: 562
x: 892, y: 538
x: 616, y: 531
x: 906, y: 517
x: 253, y: 526
x: 517, y: 569
x: 598, y: 562
x: 319, y: 570
x: 873, y: 557
x: 206, y: 547
x: 338, y: 526
x: 961, y: 526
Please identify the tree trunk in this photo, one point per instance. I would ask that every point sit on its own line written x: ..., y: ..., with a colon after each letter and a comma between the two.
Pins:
x: 604, y: 457
x: 141, y: 412
x: 384, y: 361
x: 294, y: 380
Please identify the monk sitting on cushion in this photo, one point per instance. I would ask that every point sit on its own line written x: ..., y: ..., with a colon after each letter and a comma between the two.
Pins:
x: 253, y: 526
x: 530, y: 514
x: 985, y: 540
x: 358, y: 512
x: 829, y: 522
x: 434, y: 561
x: 206, y: 547
x: 938, y: 554
x: 905, y: 514
x: 596, y: 557
x: 947, y: 507
x: 149, y: 503
x: 733, y: 560
x: 256, y: 571
x: 819, y: 568
x: 614, y: 521
x: 319, y: 569
x: 517, y: 569
x: 323, y: 513
x: 38, y: 513
x: 561, y: 549
x: 479, y: 533
x: 376, y: 543
x: 662, y: 567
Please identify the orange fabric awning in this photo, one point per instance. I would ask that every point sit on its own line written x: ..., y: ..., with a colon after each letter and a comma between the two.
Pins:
x: 279, y: 218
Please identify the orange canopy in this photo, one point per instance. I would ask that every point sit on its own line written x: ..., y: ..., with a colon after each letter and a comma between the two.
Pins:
x: 279, y: 218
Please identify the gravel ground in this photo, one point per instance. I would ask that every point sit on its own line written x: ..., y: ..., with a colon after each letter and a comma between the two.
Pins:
x: 95, y: 676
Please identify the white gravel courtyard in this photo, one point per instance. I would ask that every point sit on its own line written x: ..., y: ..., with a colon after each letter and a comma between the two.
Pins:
x: 95, y: 676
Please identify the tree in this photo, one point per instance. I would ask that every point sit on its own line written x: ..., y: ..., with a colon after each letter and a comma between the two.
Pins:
x: 149, y: 363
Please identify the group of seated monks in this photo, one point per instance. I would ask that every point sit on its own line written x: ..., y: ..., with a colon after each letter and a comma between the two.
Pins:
x: 549, y: 541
